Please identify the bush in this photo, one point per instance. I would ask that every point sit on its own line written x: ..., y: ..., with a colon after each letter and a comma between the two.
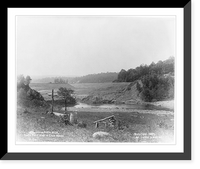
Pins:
x: 22, y: 98
x: 156, y: 87
x: 138, y: 87
x: 34, y: 95
x: 65, y: 119
x: 66, y: 95
x: 82, y: 125
x: 147, y: 95
x: 30, y: 98
x: 37, y: 103
x: 121, y: 125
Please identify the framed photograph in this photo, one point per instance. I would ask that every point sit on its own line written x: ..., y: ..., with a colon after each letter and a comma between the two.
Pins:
x: 98, y: 83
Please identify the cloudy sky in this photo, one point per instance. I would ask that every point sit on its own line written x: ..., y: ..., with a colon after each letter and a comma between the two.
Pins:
x: 81, y: 45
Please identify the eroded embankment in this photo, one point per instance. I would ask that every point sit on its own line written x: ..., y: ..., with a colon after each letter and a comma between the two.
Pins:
x: 125, y: 93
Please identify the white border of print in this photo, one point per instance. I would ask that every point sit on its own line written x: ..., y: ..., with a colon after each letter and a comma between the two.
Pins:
x: 89, y: 147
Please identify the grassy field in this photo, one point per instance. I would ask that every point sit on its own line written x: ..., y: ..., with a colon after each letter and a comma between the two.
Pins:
x: 85, y: 88
x: 46, y: 88
x: 81, y: 90
x: 35, y: 125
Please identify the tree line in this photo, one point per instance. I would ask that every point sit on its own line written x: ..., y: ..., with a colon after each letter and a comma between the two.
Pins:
x: 156, y: 80
x: 160, y: 68
x: 99, y: 78
x: 91, y: 78
x: 60, y: 80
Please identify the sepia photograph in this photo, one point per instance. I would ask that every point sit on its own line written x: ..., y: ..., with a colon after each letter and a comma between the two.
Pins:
x: 95, y: 79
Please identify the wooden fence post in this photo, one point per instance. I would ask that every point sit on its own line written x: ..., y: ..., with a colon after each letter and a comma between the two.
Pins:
x: 52, y: 99
x: 96, y: 125
x: 65, y: 105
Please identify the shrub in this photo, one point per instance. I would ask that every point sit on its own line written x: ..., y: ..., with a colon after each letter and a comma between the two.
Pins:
x: 147, y: 95
x: 34, y: 95
x: 138, y: 87
x: 82, y: 124
x: 22, y: 98
x: 65, y: 119
x: 121, y: 125
x: 30, y: 98
x: 21, y: 94
x: 37, y: 103
x: 66, y: 95
x: 156, y: 87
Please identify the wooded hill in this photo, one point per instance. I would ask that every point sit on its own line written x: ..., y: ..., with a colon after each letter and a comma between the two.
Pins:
x: 160, y: 68
x: 156, y: 80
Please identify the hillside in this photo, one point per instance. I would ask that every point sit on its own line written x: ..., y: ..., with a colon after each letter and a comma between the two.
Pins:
x: 28, y: 97
x: 160, y: 68
x: 118, y: 93
x: 157, y: 80
x: 128, y: 93
x: 46, y: 89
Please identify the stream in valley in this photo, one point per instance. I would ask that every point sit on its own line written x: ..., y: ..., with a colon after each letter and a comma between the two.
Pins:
x: 140, y: 108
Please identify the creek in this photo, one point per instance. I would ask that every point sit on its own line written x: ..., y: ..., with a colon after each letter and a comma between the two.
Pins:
x: 82, y: 106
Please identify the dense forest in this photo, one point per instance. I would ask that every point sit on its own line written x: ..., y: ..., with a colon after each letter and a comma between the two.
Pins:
x: 156, y: 80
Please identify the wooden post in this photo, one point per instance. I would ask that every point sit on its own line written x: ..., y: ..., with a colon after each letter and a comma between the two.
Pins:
x: 96, y: 125
x: 73, y: 117
x: 65, y: 105
x: 52, y: 99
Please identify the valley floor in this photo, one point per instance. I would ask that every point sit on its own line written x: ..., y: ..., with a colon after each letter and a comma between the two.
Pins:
x: 34, y: 125
x: 133, y: 125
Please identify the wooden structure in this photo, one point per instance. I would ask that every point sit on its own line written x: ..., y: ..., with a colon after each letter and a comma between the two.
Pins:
x: 107, y: 121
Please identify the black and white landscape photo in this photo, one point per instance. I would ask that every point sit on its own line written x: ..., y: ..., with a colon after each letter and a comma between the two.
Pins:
x: 83, y: 79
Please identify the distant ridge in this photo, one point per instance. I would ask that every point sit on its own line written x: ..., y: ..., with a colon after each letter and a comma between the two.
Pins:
x: 49, y: 86
x: 91, y: 78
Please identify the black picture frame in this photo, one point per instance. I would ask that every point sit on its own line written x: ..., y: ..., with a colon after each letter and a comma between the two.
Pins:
x: 186, y: 155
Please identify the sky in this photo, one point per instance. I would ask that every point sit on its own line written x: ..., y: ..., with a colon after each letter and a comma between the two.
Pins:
x: 81, y: 45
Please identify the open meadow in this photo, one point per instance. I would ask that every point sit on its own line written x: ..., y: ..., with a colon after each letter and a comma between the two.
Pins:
x: 80, y: 89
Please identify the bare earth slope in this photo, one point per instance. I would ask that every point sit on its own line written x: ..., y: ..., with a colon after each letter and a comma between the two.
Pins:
x: 121, y: 93
x: 118, y: 93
